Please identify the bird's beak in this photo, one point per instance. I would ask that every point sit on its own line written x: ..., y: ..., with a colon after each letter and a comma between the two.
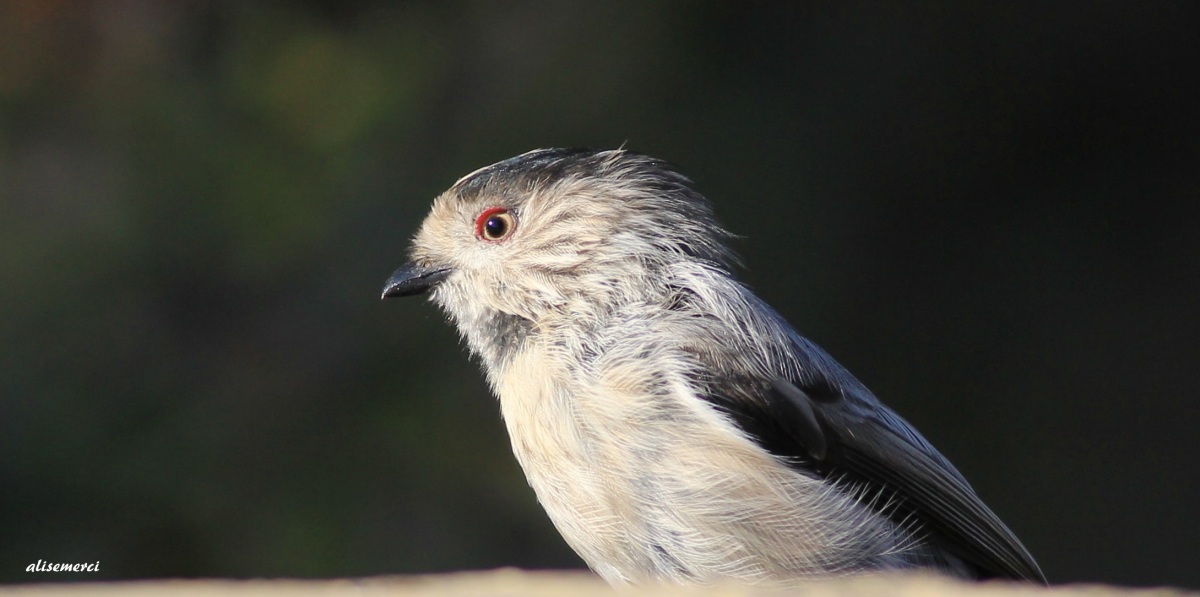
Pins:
x: 413, y: 279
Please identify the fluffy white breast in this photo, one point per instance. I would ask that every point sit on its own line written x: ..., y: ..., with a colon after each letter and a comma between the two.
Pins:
x: 647, y: 482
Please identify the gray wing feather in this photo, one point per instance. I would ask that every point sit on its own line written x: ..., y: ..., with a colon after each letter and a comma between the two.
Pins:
x: 826, y: 422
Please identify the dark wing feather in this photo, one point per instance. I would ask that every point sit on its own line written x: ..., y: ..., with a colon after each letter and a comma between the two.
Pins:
x: 836, y: 429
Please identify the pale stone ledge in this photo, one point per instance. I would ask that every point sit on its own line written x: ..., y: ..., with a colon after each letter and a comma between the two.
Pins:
x: 517, y: 583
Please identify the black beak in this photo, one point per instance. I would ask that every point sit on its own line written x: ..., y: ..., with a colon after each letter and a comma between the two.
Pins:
x: 413, y: 279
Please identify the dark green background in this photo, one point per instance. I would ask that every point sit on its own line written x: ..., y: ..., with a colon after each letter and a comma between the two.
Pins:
x: 989, y: 214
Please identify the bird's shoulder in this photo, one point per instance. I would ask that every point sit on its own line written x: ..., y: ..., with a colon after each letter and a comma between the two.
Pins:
x: 797, y: 402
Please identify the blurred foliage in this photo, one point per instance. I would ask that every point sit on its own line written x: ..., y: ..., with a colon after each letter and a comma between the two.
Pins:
x: 988, y: 213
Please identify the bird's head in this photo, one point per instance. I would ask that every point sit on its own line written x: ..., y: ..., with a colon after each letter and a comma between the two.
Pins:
x: 557, y: 234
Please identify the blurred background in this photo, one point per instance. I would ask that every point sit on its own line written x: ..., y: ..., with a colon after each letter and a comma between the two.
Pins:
x: 988, y: 213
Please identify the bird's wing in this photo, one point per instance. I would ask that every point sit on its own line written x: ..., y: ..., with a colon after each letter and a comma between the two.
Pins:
x: 830, y: 425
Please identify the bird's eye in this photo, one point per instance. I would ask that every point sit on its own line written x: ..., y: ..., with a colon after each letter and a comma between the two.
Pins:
x: 495, y: 224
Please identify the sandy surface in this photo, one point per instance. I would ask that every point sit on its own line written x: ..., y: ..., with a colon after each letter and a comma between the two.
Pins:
x: 542, y: 584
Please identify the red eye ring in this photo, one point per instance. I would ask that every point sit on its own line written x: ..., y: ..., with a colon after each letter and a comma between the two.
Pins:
x: 495, y: 224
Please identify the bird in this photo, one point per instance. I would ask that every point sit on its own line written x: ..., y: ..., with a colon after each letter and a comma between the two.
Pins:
x: 674, y: 427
